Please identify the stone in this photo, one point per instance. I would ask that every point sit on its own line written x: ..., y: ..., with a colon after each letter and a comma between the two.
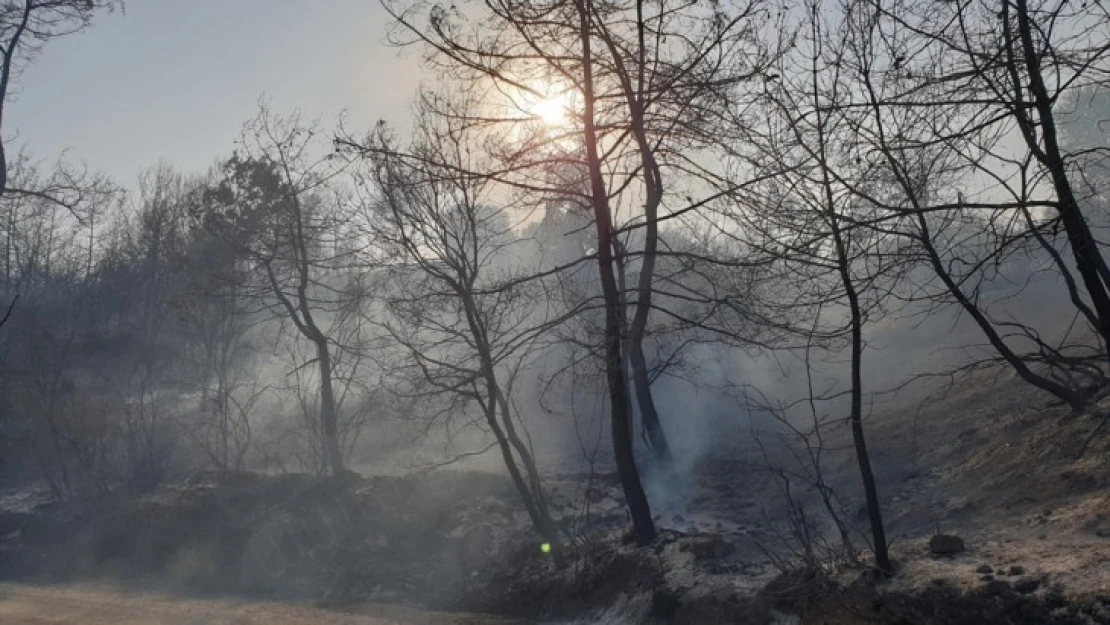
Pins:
x: 946, y: 544
x: 1017, y: 569
x: 984, y: 570
x: 986, y: 578
x: 1027, y: 586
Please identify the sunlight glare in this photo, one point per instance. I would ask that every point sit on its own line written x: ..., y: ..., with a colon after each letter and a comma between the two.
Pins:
x: 551, y: 111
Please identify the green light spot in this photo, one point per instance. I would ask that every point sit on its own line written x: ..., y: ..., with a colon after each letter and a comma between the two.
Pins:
x: 545, y: 547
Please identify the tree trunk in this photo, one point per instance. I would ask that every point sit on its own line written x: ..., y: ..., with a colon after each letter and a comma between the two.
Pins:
x: 636, y: 364
x: 649, y: 416
x: 539, y: 519
x: 329, y: 427
x: 3, y: 170
x: 653, y: 185
x: 642, y: 525
x: 530, y: 490
x: 1088, y: 258
x: 863, y: 458
x: 9, y: 235
x: 871, y: 492
x: 619, y: 256
x: 844, y: 266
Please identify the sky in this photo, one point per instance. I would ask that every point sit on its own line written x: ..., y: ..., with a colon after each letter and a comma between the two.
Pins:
x: 176, y: 79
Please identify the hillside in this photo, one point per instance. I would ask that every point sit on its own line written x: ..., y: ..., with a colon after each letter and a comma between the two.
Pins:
x: 987, y: 462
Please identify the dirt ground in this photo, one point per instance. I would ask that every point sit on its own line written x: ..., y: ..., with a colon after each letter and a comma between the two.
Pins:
x: 101, y: 605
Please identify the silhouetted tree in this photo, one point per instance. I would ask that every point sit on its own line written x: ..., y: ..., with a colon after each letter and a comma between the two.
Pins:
x: 465, y: 315
x: 278, y: 200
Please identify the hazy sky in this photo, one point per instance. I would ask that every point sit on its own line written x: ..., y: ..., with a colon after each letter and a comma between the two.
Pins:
x: 175, y: 79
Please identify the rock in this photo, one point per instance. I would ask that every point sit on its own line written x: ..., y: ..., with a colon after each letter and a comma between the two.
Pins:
x: 984, y: 570
x: 1017, y: 569
x: 946, y: 544
x: 1103, y: 532
x: 1027, y: 586
x: 986, y: 578
x: 997, y: 587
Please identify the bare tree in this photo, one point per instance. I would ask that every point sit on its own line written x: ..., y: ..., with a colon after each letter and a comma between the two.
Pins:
x: 807, y: 215
x: 283, y: 195
x: 24, y: 28
x: 638, y: 91
x: 464, y: 315
x: 215, y: 311
x: 153, y: 246
x: 988, y: 83
x: 892, y: 134
x: 663, y: 90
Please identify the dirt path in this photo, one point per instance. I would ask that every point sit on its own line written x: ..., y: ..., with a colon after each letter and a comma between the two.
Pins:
x: 99, y: 605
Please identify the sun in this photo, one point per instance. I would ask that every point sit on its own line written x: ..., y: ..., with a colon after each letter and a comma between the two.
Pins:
x: 547, y: 106
x: 548, y: 112
x: 551, y: 111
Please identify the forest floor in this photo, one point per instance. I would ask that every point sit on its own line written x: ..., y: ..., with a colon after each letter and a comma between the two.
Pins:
x: 1022, y: 482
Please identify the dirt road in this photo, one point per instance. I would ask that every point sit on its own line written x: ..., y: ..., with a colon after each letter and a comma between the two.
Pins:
x: 100, y: 605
